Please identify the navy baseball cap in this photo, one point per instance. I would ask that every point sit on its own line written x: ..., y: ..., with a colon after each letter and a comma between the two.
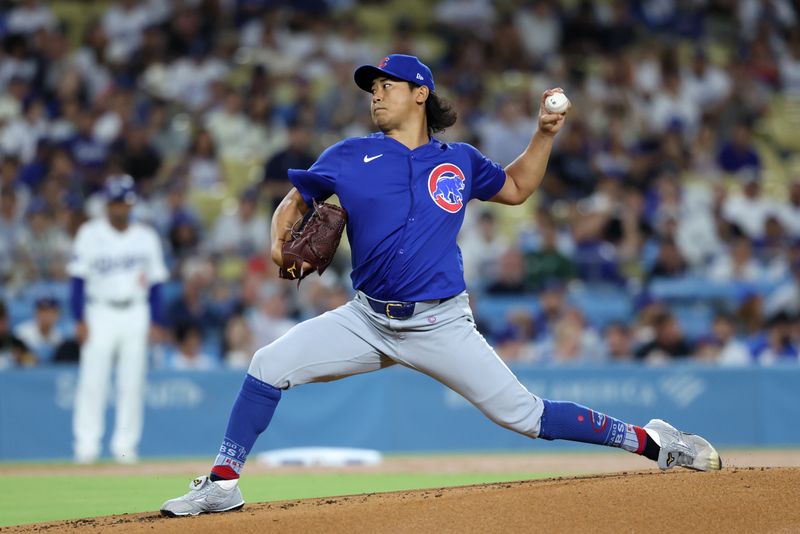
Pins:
x: 400, y: 66
x: 46, y: 302
x: 120, y: 189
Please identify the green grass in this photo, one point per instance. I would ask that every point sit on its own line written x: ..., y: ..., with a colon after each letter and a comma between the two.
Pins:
x: 47, y: 498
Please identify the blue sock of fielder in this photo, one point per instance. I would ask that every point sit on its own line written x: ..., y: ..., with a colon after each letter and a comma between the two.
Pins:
x: 257, y: 401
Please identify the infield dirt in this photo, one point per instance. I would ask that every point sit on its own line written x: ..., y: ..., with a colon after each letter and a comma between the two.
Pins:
x: 755, y: 499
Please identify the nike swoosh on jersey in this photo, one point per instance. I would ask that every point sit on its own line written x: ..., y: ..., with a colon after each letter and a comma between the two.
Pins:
x: 367, y: 159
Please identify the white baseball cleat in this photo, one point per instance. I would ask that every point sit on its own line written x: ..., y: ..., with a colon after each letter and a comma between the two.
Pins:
x: 682, y: 448
x: 205, y: 496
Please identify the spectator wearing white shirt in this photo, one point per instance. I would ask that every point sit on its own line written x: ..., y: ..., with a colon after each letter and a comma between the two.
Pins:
x: 780, y: 348
x: 752, y: 12
x: 119, y: 112
x: 572, y: 342
x: 44, y: 248
x: 506, y: 134
x: 481, y: 246
x: 21, y: 136
x: 41, y: 334
x: 269, y: 320
x: 11, y: 99
x: 188, y: 79
x: 475, y: 16
x: 124, y: 22
x: 239, y: 349
x: 17, y: 61
x: 90, y: 60
x: 228, y: 126
x: 706, y: 84
x: 29, y: 17
x: 673, y: 109
x: 732, y: 352
x: 696, y: 234
x: 540, y: 28
x: 202, y: 166
x: 348, y: 44
x: 749, y: 210
x: 738, y: 265
x: 244, y: 232
x: 771, y: 249
x: 190, y: 355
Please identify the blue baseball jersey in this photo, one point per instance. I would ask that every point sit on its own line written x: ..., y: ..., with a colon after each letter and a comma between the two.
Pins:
x: 405, y: 208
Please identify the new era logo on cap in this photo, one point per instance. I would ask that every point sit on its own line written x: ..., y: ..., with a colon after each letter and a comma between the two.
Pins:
x: 399, y: 66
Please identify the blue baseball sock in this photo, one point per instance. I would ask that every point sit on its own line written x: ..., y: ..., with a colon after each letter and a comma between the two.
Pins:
x: 250, y: 416
x: 567, y: 420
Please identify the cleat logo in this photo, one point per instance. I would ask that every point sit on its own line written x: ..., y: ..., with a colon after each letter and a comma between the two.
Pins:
x: 670, y: 459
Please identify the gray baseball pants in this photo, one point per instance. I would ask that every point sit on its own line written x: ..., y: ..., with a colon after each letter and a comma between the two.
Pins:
x: 440, y: 340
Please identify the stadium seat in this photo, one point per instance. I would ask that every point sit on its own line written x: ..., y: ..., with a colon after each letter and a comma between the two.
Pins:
x: 494, y: 310
x: 695, y: 318
x: 209, y: 204
x: 602, y: 304
x: 239, y: 175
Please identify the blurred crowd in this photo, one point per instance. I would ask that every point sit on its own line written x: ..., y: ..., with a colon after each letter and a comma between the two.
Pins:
x: 665, y: 173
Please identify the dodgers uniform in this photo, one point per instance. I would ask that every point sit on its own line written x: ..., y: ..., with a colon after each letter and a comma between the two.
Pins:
x: 117, y: 274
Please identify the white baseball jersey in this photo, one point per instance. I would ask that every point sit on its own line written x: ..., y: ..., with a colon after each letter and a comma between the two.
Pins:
x: 117, y: 266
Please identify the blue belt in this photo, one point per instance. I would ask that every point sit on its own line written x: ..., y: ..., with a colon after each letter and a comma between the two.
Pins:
x: 400, y: 310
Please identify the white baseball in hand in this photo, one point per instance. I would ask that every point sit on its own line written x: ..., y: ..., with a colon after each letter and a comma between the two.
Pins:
x: 556, y: 103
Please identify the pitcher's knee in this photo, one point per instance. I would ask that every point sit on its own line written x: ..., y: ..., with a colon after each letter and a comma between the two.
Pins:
x: 269, y: 367
x: 523, y: 417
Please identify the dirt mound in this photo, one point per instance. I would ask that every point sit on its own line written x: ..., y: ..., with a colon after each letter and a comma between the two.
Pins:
x: 733, y: 500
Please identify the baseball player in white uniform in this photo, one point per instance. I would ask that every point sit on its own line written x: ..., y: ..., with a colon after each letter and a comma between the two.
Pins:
x: 117, y: 268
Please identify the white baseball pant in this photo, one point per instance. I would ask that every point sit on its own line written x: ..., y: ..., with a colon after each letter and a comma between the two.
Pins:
x: 117, y: 335
x: 440, y: 341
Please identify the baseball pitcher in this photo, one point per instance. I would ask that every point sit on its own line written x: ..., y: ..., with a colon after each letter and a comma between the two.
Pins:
x: 117, y: 267
x: 404, y: 193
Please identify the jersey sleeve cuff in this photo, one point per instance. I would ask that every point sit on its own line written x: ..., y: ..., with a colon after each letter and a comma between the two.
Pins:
x: 300, y: 180
x: 497, y: 185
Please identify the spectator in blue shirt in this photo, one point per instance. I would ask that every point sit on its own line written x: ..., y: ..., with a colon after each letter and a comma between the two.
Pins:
x: 739, y: 154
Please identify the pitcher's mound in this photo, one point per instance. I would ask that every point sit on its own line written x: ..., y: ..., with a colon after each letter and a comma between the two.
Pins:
x: 732, y: 500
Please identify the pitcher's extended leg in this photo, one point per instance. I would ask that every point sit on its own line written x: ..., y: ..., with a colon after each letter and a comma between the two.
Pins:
x: 334, y: 345
x: 456, y: 354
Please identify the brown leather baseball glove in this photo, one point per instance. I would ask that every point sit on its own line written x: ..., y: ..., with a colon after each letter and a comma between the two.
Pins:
x: 314, y: 242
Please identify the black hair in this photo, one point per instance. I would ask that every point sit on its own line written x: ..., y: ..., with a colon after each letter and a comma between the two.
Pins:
x: 184, y: 330
x: 439, y: 112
